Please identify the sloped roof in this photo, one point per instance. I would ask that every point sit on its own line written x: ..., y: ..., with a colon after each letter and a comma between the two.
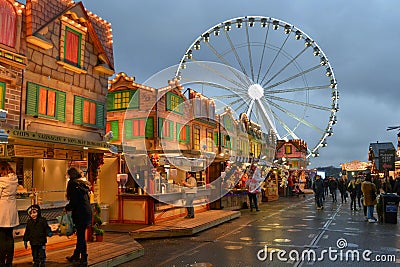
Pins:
x: 40, y: 13
x: 298, y: 143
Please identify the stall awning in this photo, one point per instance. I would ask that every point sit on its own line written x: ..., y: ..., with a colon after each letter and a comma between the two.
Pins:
x: 39, y: 145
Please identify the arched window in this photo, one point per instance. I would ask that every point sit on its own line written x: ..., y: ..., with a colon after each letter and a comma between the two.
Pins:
x: 8, y: 25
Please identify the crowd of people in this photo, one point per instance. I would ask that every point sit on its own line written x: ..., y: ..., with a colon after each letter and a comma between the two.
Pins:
x: 363, y: 191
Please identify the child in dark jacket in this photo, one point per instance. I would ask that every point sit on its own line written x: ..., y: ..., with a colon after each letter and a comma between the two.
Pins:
x: 36, y: 232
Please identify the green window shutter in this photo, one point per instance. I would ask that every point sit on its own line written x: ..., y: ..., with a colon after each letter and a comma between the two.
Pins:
x: 178, y: 129
x: 128, y: 129
x: 171, y: 130
x: 216, y: 138
x: 187, y: 133
x: 60, y: 108
x: 78, y: 110
x: 180, y: 105
x: 169, y: 101
x: 149, y: 127
x: 134, y: 102
x: 100, y: 115
x: 115, y: 129
x: 32, y: 99
x: 110, y: 101
x: 160, y: 127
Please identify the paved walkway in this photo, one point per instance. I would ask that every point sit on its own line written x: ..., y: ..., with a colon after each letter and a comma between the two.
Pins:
x: 119, y: 243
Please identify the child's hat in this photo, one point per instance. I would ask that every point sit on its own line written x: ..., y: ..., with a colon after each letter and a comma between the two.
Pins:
x: 33, y: 207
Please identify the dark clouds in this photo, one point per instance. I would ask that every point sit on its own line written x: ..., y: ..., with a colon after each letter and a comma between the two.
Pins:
x: 360, y: 38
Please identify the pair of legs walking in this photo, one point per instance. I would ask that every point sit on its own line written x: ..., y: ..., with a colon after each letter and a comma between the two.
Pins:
x: 189, y: 205
x: 80, y: 256
x: 319, y: 200
x: 353, y: 203
x: 370, y: 214
x: 253, y: 201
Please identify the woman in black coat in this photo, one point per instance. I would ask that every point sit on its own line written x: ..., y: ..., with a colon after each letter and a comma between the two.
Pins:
x: 79, y: 204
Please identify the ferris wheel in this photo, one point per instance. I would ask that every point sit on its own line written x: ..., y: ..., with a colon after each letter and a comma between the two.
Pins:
x: 270, y: 70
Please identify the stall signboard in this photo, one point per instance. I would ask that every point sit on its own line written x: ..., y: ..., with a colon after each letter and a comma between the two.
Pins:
x: 386, y: 159
x: 12, y: 133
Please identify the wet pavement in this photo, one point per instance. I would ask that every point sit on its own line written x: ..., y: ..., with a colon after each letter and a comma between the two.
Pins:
x: 292, y: 232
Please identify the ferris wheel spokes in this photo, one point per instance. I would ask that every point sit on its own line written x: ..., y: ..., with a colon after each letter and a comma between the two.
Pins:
x: 291, y: 77
x: 208, y: 67
x: 215, y: 85
x: 233, y: 49
x: 249, y: 52
x: 273, y: 61
x: 265, y: 117
x: 287, y: 65
x: 300, y: 103
x: 294, y: 116
x: 262, y: 54
x: 284, y: 126
x: 221, y: 57
x: 299, y: 89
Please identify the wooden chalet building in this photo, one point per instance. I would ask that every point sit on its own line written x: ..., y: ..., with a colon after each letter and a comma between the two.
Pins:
x: 55, y: 61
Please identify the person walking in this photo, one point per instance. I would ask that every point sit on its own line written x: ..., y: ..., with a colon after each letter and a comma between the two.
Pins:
x: 319, y: 191
x: 369, y: 191
x: 36, y: 232
x: 253, y: 185
x: 396, y: 187
x: 392, y: 182
x: 8, y: 212
x: 79, y: 204
x: 358, y: 191
x: 191, y: 191
x: 333, y: 185
x: 342, y: 190
x: 326, y: 187
x: 290, y: 185
x: 353, y: 194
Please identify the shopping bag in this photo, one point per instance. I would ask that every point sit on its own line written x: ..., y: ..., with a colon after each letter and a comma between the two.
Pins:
x: 65, y: 224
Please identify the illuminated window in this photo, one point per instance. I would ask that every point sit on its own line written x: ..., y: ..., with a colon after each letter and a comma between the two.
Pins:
x: 45, y: 102
x: 88, y: 112
x: 72, y: 51
x: 141, y: 127
x: 182, y: 133
x: 288, y: 149
x: 174, y: 103
x: 8, y: 26
x: 2, y: 94
x: 72, y: 44
x: 166, y: 128
x: 196, y: 138
x: 123, y: 100
x: 210, y: 141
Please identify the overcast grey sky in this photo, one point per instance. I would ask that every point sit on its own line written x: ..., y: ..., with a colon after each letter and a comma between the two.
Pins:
x: 361, y: 39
